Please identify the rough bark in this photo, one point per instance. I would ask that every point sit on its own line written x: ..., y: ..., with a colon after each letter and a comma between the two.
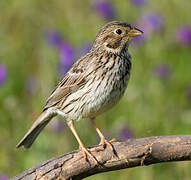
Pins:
x: 130, y: 153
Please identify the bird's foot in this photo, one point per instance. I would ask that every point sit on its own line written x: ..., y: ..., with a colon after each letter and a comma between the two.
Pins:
x: 86, y: 153
x: 105, y: 142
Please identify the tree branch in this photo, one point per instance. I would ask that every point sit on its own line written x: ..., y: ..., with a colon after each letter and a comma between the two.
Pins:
x: 131, y: 153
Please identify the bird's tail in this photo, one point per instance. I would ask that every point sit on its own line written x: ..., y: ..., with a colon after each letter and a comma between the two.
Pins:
x: 35, y: 130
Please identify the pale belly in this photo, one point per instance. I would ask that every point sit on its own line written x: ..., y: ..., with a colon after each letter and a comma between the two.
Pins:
x: 105, y: 98
x: 96, y: 98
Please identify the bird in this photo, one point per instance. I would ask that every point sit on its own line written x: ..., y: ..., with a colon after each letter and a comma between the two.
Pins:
x: 94, y: 84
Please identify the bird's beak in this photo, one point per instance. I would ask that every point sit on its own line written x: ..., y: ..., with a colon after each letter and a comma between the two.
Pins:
x: 134, y: 32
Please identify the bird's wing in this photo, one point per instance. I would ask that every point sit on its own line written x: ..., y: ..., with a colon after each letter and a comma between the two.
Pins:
x: 72, y: 81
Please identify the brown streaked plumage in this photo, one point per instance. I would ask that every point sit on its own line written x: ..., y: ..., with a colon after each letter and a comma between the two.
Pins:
x: 95, y: 83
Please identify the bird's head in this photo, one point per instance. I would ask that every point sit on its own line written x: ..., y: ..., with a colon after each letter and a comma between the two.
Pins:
x: 115, y: 36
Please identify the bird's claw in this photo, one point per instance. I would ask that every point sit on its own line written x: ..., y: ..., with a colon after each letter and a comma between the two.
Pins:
x: 105, y: 142
x: 86, y: 153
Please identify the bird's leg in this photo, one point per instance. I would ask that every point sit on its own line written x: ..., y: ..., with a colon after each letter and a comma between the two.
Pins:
x: 81, y: 145
x: 103, y: 141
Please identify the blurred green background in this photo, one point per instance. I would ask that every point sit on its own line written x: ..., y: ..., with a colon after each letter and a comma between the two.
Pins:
x: 40, y: 39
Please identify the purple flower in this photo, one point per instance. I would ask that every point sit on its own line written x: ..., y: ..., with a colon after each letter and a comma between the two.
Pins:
x: 162, y: 70
x: 67, y: 55
x: 83, y: 49
x: 139, y: 2
x: 60, y: 126
x: 32, y: 84
x: 189, y: 92
x: 3, y: 177
x: 156, y: 21
x: 3, y: 74
x: 126, y: 133
x: 105, y: 8
x: 54, y: 38
x: 149, y: 23
x: 139, y: 39
x: 66, y: 51
x: 183, y: 35
x: 86, y: 48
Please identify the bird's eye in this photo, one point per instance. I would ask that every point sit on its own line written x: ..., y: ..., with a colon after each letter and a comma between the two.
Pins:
x: 118, y: 31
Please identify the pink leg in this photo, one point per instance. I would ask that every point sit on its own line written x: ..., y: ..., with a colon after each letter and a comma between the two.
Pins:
x: 103, y: 141
x: 81, y: 145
